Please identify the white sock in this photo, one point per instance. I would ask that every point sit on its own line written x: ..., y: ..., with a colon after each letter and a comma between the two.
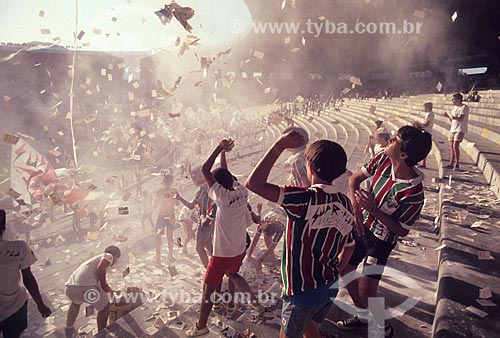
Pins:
x: 363, y: 315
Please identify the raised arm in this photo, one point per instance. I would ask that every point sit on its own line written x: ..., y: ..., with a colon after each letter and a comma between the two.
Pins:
x: 256, y: 216
x: 223, y: 160
x: 257, y: 181
x: 206, y: 169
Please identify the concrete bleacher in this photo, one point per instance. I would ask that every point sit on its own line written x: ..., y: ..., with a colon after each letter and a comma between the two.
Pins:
x: 481, y: 143
x: 351, y: 128
x: 351, y: 132
x: 461, y: 273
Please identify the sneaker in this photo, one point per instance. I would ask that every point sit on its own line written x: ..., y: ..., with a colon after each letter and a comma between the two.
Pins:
x: 196, y: 332
x: 351, y: 323
x: 263, y: 311
x: 232, y: 309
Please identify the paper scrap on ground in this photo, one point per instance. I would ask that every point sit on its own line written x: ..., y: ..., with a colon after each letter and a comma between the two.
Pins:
x: 440, y: 247
x: 476, y: 311
x: 485, y: 293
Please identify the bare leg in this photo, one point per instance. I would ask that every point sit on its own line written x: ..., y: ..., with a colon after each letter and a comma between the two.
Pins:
x: 354, y: 289
x: 268, y: 241
x: 452, y: 154
x: 456, y: 149
x: 188, y: 230
x: 311, y: 331
x: 243, y: 286
x: 170, y: 241
x: 368, y: 287
x: 231, y: 289
x: 158, y: 248
x: 102, y: 318
x: 200, y: 249
x: 210, y: 246
x: 73, y: 311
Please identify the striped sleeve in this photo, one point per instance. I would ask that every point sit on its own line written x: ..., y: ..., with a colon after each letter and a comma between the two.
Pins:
x: 295, y: 201
x: 212, y: 211
x: 371, y: 167
x: 407, y: 213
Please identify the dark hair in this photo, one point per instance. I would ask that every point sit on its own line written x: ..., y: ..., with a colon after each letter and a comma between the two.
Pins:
x: 416, y: 143
x: 428, y: 105
x: 378, y: 123
x: 223, y: 177
x: 327, y: 158
x: 458, y: 96
x: 114, y: 250
x: 2, y: 221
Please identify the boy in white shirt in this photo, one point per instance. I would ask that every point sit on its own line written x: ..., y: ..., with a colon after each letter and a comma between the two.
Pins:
x: 229, y: 237
x: 427, y: 124
x: 459, y: 119
x: 15, y: 257
x: 88, y: 285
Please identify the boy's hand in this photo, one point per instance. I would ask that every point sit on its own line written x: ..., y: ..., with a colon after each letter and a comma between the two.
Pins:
x: 291, y: 140
x: 227, y: 144
x: 44, y: 310
x: 365, y: 200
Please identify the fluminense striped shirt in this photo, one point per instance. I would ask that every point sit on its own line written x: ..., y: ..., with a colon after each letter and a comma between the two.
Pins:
x: 320, y: 223
x: 401, y: 199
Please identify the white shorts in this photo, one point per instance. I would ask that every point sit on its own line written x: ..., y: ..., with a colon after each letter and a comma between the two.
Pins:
x: 93, y: 295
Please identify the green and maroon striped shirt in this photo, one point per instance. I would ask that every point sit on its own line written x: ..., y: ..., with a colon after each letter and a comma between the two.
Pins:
x: 320, y: 223
x: 401, y: 199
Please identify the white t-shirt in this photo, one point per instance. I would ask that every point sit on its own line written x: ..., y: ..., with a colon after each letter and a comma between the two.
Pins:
x: 230, y: 220
x: 14, y: 257
x: 460, y: 126
x: 429, y: 116
x: 86, y: 274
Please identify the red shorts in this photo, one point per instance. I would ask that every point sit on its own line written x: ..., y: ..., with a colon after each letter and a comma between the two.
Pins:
x: 219, y: 266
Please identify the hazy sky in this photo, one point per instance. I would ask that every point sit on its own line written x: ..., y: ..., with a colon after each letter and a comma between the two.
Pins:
x: 118, y: 25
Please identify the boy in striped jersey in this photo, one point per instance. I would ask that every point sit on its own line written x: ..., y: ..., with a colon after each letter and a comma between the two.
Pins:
x: 384, y: 213
x: 318, y: 235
